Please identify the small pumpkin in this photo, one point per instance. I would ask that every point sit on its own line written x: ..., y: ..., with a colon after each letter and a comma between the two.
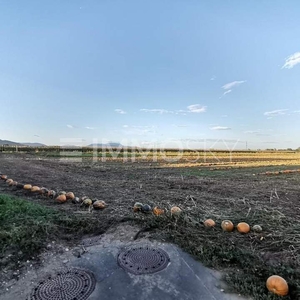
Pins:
x: 99, y: 204
x: 277, y: 285
x: 35, y: 189
x: 61, y: 198
x: 20, y: 186
x: 87, y: 202
x: 51, y: 194
x: 176, y: 211
x: 209, y: 223
x: 76, y: 200
x: 43, y: 191
x: 146, y: 208
x: 83, y: 198
x: 243, y: 227
x: 15, y: 183
x: 62, y: 193
x: 9, y: 181
x: 138, y: 206
x: 257, y: 228
x: 70, y: 195
x: 158, y: 211
x: 227, y: 225
x: 27, y: 187
x: 3, y: 177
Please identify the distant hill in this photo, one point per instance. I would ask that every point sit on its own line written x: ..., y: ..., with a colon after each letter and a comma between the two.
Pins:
x: 34, y: 144
x: 115, y: 145
x: 10, y: 143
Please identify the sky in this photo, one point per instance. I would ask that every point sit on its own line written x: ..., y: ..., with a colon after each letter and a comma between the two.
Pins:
x: 166, y: 73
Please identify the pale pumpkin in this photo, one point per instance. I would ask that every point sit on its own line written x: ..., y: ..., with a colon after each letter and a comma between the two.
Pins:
x: 209, y: 223
x: 99, y: 204
x: 137, y: 206
x: 175, y: 211
x: 243, y: 227
x: 3, y: 177
x: 257, y: 228
x: 61, y: 199
x: 87, y: 202
x: 277, y: 285
x: 35, y: 189
x: 9, y: 181
x: 51, y: 194
x: 227, y: 225
x: 27, y: 187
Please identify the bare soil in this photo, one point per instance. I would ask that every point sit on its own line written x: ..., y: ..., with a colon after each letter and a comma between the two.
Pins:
x: 236, y: 194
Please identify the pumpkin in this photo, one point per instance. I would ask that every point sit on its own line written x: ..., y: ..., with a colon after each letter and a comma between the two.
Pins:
x: 227, y: 225
x: 175, y: 211
x: 27, y: 187
x: 20, y: 186
x: 243, y: 227
x: 43, y: 191
x: 76, y: 200
x: 15, y: 183
x: 62, y: 193
x: 51, y: 194
x: 61, y: 198
x: 158, y: 211
x: 209, y: 223
x: 138, y: 206
x: 3, y: 177
x: 9, y: 181
x: 83, y: 198
x: 277, y: 285
x: 87, y: 202
x: 99, y: 204
x: 35, y: 189
x: 146, y: 208
x: 70, y: 195
x: 257, y: 228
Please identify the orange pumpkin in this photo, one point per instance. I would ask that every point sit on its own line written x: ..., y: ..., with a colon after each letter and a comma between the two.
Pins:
x: 209, y: 223
x: 70, y: 195
x: 227, y: 225
x: 27, y: 187
x: 158, y: 211
x: 61, y: 199
x: 35, y: 189
x: 243, y: 227
x: 3, y: 177
x: 277, y: 285
x: 175, y: 211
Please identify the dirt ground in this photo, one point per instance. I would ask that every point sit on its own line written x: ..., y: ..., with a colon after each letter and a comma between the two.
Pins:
x: 237, y: 194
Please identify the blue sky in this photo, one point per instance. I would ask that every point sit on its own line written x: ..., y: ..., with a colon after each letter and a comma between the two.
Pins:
x: 151, y: 72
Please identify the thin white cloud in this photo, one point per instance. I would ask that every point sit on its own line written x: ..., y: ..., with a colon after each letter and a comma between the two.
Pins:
x: 251, y: 131
x: 196, y: 108
x: 226, y: 92
x: 292, y: 61
x: 220, y: 128
x: 213, y: 78
x: 90, y: 128
x: 183, y: 125
x: 296, y: 111
x: 120, y: 111
x: 70, y: 126
x: 233, y: 84
x: 157, y: 110
x: 275, y: 113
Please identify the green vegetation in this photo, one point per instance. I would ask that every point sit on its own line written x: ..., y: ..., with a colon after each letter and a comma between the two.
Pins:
x: 26, y: 228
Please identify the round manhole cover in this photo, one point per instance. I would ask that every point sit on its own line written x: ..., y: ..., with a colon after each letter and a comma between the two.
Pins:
x: 70, y: 284
x: 143, y: 260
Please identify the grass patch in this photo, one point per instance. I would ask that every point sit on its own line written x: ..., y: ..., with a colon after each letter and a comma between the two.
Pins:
x: 26, y: 228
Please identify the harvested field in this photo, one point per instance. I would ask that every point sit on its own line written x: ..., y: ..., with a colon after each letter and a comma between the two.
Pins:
x: 235, y: 189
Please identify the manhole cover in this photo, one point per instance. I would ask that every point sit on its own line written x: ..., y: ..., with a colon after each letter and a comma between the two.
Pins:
x: 70, y: 284
x: 143, y: 260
